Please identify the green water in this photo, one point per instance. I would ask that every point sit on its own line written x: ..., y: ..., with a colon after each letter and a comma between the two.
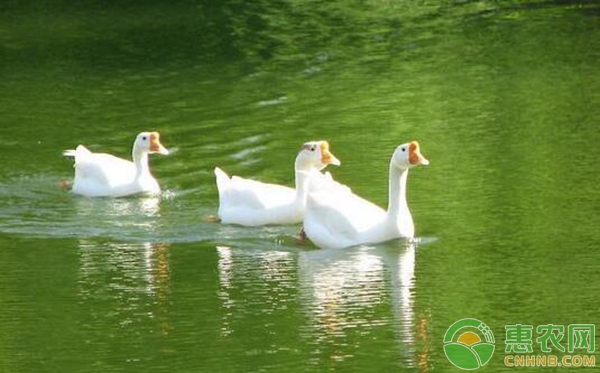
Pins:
x: 502, y: 96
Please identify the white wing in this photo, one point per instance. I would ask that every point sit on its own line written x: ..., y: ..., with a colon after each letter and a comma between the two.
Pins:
x: 101, y: 168
x: 335, y: 220
x: 240, y: 192
x: 253, y: 193
x: 323, y: 182
x: 357, y: 213
x: 104, y: 169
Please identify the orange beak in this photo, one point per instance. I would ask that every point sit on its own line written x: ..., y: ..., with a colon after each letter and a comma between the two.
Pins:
x: 326, y: 156
x: 155, y: 145
x: 414, y: 155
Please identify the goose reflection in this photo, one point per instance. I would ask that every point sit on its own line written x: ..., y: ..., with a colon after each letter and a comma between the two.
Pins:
x: 124, y: 283
x: 345, y: 295
x: 226, y: 286
x: 117, y: 217
x: 266, y: 278
x: 346, y: 289
x: 336, y: 282
x: 143, y: 205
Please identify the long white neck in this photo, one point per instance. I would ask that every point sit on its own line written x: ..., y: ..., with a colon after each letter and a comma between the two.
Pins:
x: 303, y: 168
x: 397, y: 206
x: 302, y: 180
x: 140, y: 159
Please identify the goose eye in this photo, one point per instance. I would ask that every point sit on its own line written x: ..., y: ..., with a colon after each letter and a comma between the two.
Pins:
x: 312, y: 149
x: 403, y: 149
x: 144, y: 138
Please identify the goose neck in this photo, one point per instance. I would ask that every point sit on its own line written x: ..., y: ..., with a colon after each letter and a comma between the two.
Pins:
x: 302, y: 180
x: 140, y: 159
x: 397, y: 206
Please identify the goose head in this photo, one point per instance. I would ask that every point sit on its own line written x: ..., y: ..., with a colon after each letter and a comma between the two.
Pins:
x: 408, y: 155
x: 149, y: 142
x: 315, y: 154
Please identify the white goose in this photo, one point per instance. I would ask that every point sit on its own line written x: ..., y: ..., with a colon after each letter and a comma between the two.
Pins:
x: 104, y: 175
x: 252, y: 203
x: 338, y: 220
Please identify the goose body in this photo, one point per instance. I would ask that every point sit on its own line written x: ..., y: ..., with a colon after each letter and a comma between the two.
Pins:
x: 338, y: 220
x: 253, y: 203
x: 104, y: 175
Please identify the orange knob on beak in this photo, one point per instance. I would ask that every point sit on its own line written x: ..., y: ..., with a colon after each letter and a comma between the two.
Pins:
x: 155, y: 145
x: 414, y: 155
x: 326, y: 156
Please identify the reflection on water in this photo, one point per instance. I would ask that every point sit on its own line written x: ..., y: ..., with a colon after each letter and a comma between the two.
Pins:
x: 130, y: 280
x: 225, y: 278
x: 268, y: 275
x: 422, y: 355
x: 345, y: 289
x: 336, y: 282
x: 137, y: 214
x: 341, y: 294
x: 402, y: 268
x: 494, y: 90
x: 36, y: 206
x: 146, y: 206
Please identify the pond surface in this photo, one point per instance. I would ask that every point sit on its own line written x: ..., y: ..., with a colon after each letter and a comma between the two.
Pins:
x: 504, y: 100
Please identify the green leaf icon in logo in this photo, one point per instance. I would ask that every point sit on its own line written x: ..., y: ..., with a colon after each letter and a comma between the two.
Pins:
x: 464, y: 346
